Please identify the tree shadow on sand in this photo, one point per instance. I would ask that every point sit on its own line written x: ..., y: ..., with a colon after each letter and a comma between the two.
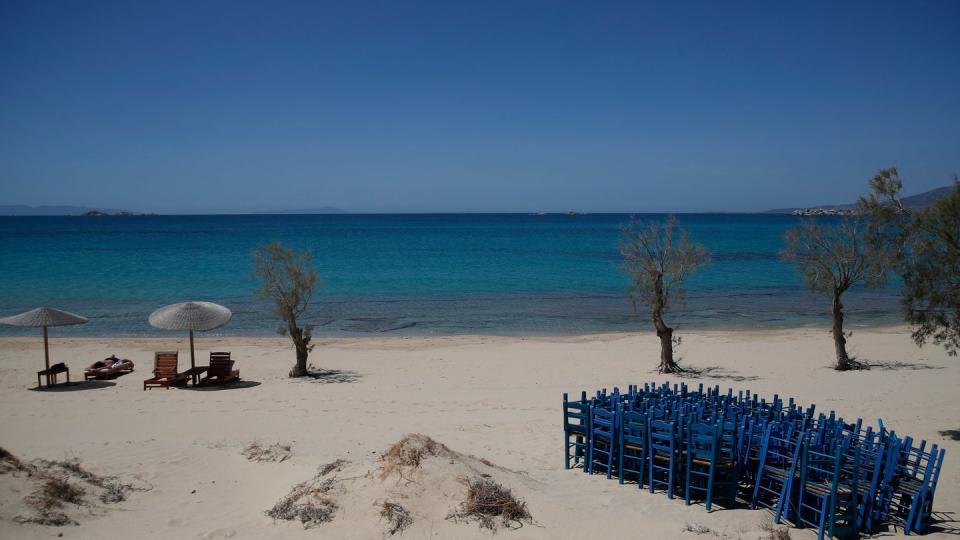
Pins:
x: 75, y: 386
x: 718, y: 373
x: 331, y: 376
x: 900, y: 366
x: 952, y: 434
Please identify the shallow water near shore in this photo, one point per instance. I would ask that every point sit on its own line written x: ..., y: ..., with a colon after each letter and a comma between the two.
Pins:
x: 500, y: 274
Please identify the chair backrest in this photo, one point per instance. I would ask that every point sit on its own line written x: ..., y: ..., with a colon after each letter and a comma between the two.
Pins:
x: 165, y: 363
x: 603, y: 422
x: 633, y: 427
x: 220, y: 363
x: 702, y: 440
x: 576, y: 414
x: 662, y: 435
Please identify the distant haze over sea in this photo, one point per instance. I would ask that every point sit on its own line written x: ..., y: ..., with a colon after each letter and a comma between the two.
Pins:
x: 921, y: 200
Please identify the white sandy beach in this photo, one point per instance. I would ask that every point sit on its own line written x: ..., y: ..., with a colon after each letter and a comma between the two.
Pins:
x: 495, y: 398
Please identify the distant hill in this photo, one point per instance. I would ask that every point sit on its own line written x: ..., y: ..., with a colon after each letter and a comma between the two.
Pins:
x: 919, y: 201
x: 24, y: 210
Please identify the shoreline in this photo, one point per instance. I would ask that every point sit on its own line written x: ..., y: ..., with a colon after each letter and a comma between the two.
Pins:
x: 7, y: 333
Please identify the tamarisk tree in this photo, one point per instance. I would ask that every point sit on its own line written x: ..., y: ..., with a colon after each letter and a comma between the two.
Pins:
x: 927, y: 245
x: 832, y: 258
x: 658, y: 257
x: 288, y: 280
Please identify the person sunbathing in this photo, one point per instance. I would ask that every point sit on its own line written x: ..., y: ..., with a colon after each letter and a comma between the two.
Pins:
x: 108, y: 366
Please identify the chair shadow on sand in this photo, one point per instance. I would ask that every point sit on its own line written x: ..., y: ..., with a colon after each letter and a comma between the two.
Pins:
x: 944, y: 522
x: 75, y: 386
x: 238, y: 385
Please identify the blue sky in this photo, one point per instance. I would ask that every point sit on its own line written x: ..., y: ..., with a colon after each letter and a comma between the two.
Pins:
x: 473, y: 106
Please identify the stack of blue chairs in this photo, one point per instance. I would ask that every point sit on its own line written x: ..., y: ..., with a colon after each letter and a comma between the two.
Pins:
x: 809, y: 469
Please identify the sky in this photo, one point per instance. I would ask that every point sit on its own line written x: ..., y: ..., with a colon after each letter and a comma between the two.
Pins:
x: 514, y: 106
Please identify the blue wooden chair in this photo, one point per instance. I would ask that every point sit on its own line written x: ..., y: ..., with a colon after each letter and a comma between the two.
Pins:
x: 779, y: 456
x: 576, y: 430
x: 663, y: 455
x: 913, y: 485
x: 706, y: 470
x: 827, y: 495
x: 874, y: 457
x: 633, y: 446
x: 603, y: 439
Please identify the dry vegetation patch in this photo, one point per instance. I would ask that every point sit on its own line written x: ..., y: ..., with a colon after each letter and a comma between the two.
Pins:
x: 273, y: 453
x: 409, y: 452
x: 408, y: 486
x: 59, y: 489
x: 487, y: 500
x: 398, y: 518
x: 311, y: 502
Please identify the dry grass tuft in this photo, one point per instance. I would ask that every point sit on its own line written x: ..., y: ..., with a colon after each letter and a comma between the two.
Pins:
x: 409, y: 452
x: 333, y: 466
x: 774, y: 532
x: 114, y: 491
x: 48, y: 500
x: 309, y: 503
x: 697, y: 528
x: 487, y: 500
x: 57, y: 490
x: 57, y: 483
x: 398, y: 518
x: 9, y: 462
x: 274, y: 453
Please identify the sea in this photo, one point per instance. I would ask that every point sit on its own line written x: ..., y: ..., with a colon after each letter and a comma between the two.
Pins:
x: 408, y: 274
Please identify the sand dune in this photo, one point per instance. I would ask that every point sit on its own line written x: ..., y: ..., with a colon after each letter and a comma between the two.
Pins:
x: 494, y: 398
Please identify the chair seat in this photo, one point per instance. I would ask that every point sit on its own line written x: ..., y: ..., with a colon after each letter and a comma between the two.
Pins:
x: 774, y: 471
x: 720, y: 462
x: 824, y: 489
x: 633, y: 446
x: 582, y: 430
x: 910, y: 485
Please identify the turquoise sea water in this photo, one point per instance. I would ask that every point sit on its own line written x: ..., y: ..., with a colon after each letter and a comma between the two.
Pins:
x: 404, y: 274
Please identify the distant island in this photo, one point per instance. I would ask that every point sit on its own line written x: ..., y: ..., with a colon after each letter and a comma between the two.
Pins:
x: 25, y: 210
x: 102, y: 213
x: 918, y: 202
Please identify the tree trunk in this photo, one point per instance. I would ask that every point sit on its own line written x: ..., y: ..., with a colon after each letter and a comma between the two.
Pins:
x: 839, y: 340
x: 300, y: 368
x: 664, y: 332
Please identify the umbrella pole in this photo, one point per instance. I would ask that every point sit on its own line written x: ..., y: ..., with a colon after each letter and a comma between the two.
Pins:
x: 193, y: 363
x: 46, y: 348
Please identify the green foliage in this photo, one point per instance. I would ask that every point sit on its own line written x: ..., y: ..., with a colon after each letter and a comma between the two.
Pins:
x: 927, y: 243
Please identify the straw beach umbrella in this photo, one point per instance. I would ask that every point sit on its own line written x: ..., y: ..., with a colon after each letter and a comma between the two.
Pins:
x: 44, y: 316
x: 199, y: 316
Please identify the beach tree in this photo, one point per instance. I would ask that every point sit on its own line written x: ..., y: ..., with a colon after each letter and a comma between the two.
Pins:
x: 288, y: 280
x: 658, y: 257
x: 927, y: 257
x: 832, y: 258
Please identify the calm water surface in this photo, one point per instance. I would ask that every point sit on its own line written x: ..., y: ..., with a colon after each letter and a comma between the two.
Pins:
x: 404, y: 274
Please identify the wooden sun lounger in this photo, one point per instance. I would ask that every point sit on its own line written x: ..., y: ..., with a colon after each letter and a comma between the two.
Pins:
x: 221, y: 370
x: 165, y: 372
x: 107, y: 371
